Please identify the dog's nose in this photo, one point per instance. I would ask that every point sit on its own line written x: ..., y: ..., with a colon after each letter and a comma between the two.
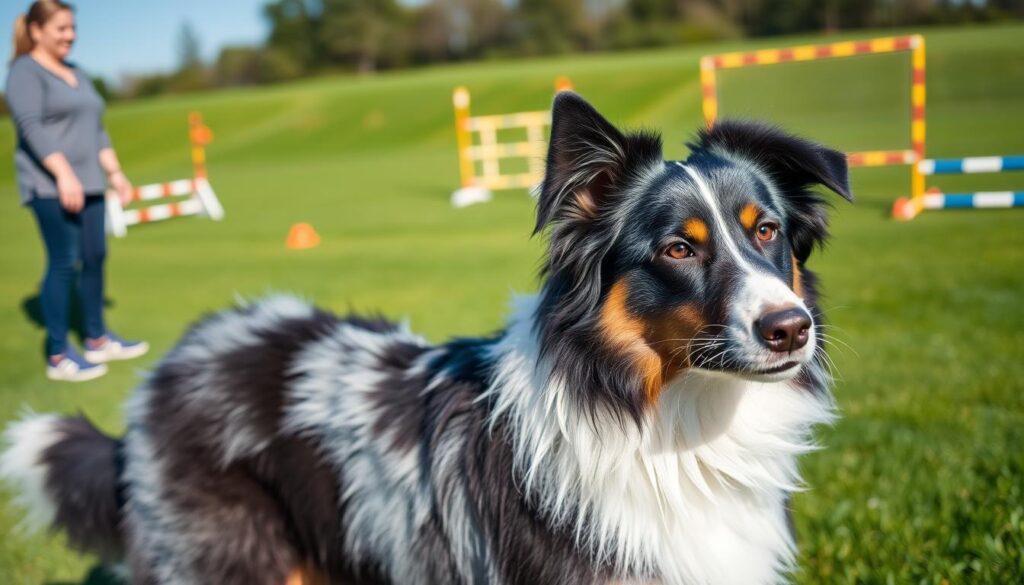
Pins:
x: 785, y: 330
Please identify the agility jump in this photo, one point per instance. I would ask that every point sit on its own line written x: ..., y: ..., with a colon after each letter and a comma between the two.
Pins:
x: 201, y: 199
x: 709, y: 65
x: 476, y: 186
x: 906, y: 209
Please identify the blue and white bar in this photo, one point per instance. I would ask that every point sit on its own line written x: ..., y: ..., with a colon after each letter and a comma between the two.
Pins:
x: 974, y: 164
x: 981, y: 199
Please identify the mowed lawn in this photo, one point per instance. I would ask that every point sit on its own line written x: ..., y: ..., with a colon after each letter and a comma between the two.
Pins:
x: 921, y: 481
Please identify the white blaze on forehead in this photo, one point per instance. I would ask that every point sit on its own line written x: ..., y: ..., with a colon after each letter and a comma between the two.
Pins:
x: 761, y: 290
x: 716, y: 213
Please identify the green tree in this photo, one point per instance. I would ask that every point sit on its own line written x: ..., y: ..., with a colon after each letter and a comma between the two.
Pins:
x: 294, y: 32
x: 553, y: 26
x: 458, y: 29
x: 189, y: 48
x: 368, y: 34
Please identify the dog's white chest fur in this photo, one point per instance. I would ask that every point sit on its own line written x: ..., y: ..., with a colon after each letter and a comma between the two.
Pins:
x: 698, y: 496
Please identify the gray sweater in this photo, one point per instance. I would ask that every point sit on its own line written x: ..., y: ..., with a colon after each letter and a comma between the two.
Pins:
x: 51, y: 116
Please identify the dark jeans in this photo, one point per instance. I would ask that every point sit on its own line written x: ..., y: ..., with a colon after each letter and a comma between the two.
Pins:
x: 75, y: 245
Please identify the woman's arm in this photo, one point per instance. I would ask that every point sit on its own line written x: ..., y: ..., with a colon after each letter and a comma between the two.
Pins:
x: 69, y: 188
x: 115, y: 176
x: 25, y: 100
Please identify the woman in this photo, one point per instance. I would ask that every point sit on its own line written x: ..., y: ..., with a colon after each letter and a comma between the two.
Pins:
x: 64, y: 162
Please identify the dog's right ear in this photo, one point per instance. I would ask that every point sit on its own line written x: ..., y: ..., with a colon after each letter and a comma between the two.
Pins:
x: 588, y: 161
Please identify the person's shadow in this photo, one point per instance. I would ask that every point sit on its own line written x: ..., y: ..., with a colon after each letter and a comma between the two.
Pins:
x: 32, y: 307
x: 97, y: 576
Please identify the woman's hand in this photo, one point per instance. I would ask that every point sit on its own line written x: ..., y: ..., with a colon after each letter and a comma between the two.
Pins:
x: 120, y: 183
x: 70, y: 192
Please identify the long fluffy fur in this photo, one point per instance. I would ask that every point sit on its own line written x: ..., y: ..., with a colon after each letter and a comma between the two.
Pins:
x: 277, y: 435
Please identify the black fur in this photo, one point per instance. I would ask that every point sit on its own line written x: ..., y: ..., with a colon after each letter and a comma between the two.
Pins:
x: 255, y: 494
x: 84, y: 466
x: 590, y: 166
x: 793, y: 164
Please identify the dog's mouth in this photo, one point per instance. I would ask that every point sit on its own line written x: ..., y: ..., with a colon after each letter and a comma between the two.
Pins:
x: 737, y: 363
x: 777, y: 369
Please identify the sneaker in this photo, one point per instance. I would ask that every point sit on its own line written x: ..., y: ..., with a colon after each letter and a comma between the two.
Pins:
x: 111, y: 347
x: 71, y: 367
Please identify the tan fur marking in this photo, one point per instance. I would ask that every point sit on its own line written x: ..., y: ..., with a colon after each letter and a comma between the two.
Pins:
x: 305, y: 576
x: 659, y: 347
x: 696, y: 230
x: 749, y: 215
x: 798, y: 284
x: 672, y: 335
x: 585, y: 208
x: 628, y: 333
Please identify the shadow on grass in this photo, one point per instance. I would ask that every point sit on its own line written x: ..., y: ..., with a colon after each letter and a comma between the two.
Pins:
x: 97, y: 576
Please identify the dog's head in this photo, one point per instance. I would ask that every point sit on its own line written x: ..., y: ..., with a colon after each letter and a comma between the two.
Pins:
x: 659, y: 267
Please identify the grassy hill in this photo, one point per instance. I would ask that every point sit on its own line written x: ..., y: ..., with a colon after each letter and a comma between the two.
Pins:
x: 920, y: 482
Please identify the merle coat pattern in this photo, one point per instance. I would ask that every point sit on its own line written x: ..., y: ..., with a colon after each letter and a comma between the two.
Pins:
x: 635, y: 422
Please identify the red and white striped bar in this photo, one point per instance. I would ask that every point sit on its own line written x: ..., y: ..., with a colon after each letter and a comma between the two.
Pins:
x: 201, y: 201
x: 162, y: 211
x: 160, y: 190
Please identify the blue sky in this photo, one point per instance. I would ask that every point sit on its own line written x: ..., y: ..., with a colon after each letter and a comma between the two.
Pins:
x: 141, y: 36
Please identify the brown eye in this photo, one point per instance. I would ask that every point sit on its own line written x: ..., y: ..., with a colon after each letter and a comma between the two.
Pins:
x: 680, y: 251
x: 766, y: 232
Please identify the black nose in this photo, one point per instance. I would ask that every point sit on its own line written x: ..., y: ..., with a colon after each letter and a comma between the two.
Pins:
x: 785, y: 330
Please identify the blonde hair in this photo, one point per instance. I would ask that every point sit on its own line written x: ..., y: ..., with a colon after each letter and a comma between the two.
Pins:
x: 39, y: 13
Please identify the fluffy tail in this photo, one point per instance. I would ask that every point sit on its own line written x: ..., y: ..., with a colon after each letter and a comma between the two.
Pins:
x: 65, y: 473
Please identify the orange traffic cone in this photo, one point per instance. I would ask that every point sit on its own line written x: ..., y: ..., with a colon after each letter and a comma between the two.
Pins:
x: 301, y: 236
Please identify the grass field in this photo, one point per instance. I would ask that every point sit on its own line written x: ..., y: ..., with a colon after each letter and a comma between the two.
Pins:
x: 922, y: 481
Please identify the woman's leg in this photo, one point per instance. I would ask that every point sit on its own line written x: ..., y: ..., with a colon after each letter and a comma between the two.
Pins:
x: 93, y: 253
x: 60, y: 232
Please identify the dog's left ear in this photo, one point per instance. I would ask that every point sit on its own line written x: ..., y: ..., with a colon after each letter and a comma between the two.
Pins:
x: 793, y: 164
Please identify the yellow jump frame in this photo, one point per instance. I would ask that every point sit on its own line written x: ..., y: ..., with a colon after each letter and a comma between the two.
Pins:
x: 710, y: 64
x: 489, y: 152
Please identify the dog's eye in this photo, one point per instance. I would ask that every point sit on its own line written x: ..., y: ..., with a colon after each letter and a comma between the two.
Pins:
x: 766, y: 231
x: 679, y: 251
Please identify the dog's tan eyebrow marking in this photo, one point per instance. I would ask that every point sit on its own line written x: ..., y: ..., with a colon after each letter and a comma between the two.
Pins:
x: 749, y: 215
x: 695, y: 229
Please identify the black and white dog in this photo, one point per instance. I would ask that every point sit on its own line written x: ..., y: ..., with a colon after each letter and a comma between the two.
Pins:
x: 638, y: 421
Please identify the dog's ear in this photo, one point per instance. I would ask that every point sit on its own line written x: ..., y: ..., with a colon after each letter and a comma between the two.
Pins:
x: 588, y: 161
x: 793, y: 164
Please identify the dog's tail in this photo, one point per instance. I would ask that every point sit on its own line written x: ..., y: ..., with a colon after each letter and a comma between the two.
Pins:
x: 66, y: 474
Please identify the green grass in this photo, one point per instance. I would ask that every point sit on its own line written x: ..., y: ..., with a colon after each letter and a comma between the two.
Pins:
x: 920, y: 482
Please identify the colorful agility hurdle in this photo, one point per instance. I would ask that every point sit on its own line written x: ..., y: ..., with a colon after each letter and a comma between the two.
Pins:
x: 197, y: 195
x: 709, y: 65
x: 477, y: 181
x: 908, y: 208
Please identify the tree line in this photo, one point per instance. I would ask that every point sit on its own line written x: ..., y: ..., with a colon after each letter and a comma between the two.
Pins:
x: 312, y: 37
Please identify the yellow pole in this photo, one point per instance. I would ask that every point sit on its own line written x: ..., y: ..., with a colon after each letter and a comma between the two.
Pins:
x: 709, y: 100
x: 460, y: 99
x: 199, y: 135
x: 917, y: 116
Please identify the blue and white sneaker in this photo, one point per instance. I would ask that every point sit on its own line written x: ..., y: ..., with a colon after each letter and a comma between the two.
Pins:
x: 71, y: 367
x: 111, y: 347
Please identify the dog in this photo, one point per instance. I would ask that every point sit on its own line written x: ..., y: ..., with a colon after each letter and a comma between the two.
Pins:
x: 638, y: 421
